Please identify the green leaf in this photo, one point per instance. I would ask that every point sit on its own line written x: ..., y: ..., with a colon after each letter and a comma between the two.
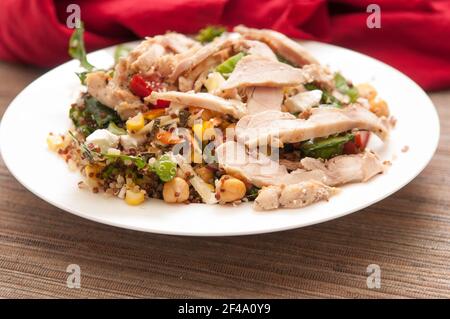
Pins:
x: 77, y: 49
x: 209, y: 33
x: 327, y: 97
x: 343, y: 87
x: 120, y: 52
x: 101, y: 114
x: 165, y: 168
x: 326, y: 148
x: 252, y: 193
x: 82, y: 76
x: 228, y: 65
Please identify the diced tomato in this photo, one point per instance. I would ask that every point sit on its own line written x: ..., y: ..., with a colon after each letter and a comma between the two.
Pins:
x: 359, y: 144
x: 361, y: 139
x: 161, y: 104
x: 139, y: 86
x: 350, y: 148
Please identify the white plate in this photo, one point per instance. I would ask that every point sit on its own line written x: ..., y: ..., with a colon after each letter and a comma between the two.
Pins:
x: 43, y: 107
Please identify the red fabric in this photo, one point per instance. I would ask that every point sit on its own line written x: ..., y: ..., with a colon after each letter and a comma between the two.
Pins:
x: 414, y: 35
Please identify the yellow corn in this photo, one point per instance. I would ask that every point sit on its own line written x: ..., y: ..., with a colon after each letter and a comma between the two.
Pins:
x: 54, y: 142
x: 91, y: 170
x: 134, y: 197
x: 134, y: 124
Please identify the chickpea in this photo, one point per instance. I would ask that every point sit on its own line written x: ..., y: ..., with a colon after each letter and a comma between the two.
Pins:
x: 230, y: 189
x: 205, y: 173
x: 176, y: 191
x: 367, y: 91
x: 379, y: 107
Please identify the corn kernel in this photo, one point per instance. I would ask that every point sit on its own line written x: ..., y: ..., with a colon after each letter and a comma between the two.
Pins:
x: 134, y: 124
x: 134, y: 197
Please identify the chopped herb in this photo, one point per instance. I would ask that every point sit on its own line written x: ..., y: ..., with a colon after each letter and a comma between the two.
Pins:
x: 209, y: 33
x: 87, y: 153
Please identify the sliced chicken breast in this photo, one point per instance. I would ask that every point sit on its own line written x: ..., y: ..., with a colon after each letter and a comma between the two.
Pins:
x: 253, y: 70
x: 280, y: 127
x: 346, y: 168
x: 262, y: 99
x: 204, y: 100
x: 261, y: 171
x: 280, y: 44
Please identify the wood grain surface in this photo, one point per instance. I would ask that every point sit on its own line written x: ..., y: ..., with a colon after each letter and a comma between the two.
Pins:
x: 407, y: 235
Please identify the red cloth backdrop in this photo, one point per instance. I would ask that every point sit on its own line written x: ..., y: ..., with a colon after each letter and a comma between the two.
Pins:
x: 414, y: 35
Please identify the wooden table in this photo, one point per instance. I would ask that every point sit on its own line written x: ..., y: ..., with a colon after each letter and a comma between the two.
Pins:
x: 407, y: 235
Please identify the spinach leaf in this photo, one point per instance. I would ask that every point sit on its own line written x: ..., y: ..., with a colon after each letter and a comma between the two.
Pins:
x: 326, y: 148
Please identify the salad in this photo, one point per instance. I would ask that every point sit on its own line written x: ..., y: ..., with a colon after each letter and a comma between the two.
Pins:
x: 224, y: 117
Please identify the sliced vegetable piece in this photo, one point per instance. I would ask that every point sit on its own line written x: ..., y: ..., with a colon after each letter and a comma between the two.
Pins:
x: 165, y: 168
x: 228, y: 65
x: 209, y: 33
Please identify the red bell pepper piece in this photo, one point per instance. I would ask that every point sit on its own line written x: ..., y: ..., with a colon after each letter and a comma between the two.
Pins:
x: 143, y: 88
